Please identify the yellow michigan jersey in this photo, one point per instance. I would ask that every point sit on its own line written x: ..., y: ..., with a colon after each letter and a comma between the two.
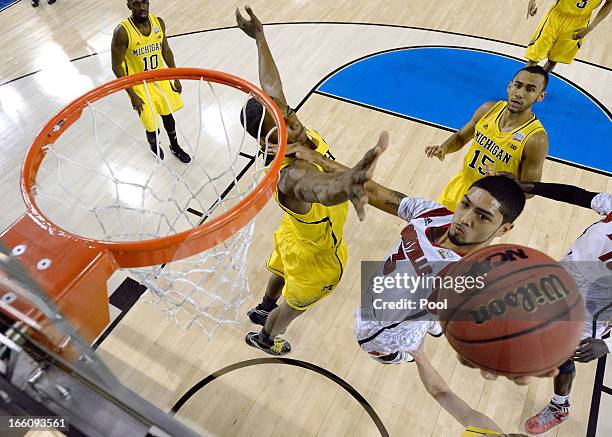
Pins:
x: 553, y: 36
x: 490, y: 148
x: 577, y: 7
x: 473, y: 431
x: 309, y: 251
x: 144, y: 53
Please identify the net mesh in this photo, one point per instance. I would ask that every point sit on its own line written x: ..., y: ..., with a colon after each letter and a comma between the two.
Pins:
x: 101, y: 180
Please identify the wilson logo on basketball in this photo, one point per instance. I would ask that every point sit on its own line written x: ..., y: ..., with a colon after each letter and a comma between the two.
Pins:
x: 495, y: 260
x: 548, y: 290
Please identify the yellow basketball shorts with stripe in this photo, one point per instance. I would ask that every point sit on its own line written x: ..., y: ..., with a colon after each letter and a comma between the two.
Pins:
x: 162, y: 99
x: 553, y: 38
x: 309, y: 275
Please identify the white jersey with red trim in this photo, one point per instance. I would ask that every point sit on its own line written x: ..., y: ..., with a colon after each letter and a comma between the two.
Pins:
x: 589, y: 261
x: 416, y: 255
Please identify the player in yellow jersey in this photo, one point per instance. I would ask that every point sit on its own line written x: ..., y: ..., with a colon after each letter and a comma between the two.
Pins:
x: 476, y: 423
x: 310, y: 254
x: 561, y: 32
x: 506, y: 137
x: 140, y: 44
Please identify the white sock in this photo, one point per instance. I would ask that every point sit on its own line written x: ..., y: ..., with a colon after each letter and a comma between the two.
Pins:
x: 560, y: 400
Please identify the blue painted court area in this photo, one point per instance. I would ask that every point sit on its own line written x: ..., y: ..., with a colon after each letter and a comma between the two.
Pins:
x: 6, y: 3
x: 446, y: 85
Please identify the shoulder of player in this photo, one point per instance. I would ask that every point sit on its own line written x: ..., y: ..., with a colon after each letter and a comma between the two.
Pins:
x: 161, y: 23
x: 120, y: 34
x: 482, y: 110
x: 602, y: 203
x: 415, y: 208
x: 537, y: 143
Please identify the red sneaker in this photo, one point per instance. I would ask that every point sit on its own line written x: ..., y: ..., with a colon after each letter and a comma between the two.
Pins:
x: 551, y: 416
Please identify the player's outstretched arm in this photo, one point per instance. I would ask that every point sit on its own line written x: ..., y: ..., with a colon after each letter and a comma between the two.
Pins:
x: 379, y: 196
x: 168, y: 56
x: 560, y: 192
x: 441, y: 392
x: 119, y: 45
x: 269, y: 77
x: 303, y: 182
x: 601, y: 15
x: 460, y: 138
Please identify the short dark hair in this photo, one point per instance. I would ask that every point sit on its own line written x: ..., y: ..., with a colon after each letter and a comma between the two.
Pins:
x: 250, y: 118
x: 535, y: 69
x: 507, y: 192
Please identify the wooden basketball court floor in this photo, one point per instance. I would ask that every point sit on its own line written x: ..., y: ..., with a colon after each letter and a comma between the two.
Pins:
x: 53, y: 54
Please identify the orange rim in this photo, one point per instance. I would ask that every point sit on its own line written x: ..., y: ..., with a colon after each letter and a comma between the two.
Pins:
x: 186, y: 243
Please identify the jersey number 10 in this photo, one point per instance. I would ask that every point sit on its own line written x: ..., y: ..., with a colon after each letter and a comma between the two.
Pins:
x: 150, y: 62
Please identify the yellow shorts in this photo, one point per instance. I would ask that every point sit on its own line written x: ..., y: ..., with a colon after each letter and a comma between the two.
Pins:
x: 161, y: 94
x: 454, y: 191
x: 309, y: 276
x: 553, y: 38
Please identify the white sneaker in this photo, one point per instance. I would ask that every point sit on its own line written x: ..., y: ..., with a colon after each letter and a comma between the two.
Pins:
x: 435, y: 329
x: 400, y: 357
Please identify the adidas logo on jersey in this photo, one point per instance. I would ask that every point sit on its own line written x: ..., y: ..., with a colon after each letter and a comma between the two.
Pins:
x: 428, y: 220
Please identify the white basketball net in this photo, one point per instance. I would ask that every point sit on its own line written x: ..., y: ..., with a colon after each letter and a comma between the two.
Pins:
x: 114, y: 188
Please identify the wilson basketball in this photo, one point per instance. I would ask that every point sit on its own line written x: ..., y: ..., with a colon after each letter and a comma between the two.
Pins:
x: 522, y: 314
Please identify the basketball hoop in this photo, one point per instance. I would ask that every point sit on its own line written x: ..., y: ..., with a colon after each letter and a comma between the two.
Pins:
x: 186, y: 229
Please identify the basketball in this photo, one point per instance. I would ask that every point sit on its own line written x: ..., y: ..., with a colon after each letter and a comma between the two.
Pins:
x: 524, y: 315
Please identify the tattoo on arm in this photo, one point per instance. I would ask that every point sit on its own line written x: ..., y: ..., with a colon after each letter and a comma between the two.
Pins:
x: 394, y: 199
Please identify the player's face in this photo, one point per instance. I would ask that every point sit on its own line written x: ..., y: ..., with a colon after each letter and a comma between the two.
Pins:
x: 524, y: 90
x: 477, y: 219
x: 296, y: 133
x: 140, y: 10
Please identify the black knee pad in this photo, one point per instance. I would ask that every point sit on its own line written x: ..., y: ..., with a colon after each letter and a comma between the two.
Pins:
x: 567, y: 368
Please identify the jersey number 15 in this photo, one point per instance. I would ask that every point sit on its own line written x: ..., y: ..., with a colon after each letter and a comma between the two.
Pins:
x: 485, y: 161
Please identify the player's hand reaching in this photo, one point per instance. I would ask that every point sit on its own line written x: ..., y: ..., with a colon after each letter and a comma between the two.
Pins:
x: 354, y: 180
x: 518, y: 380
x: 137, y: 102
x: 436, y: 151
x: 532, y: 8
x: 590, y: 349
x: 178, y: 87
x: 251, y: 27
x: 581, y: 33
